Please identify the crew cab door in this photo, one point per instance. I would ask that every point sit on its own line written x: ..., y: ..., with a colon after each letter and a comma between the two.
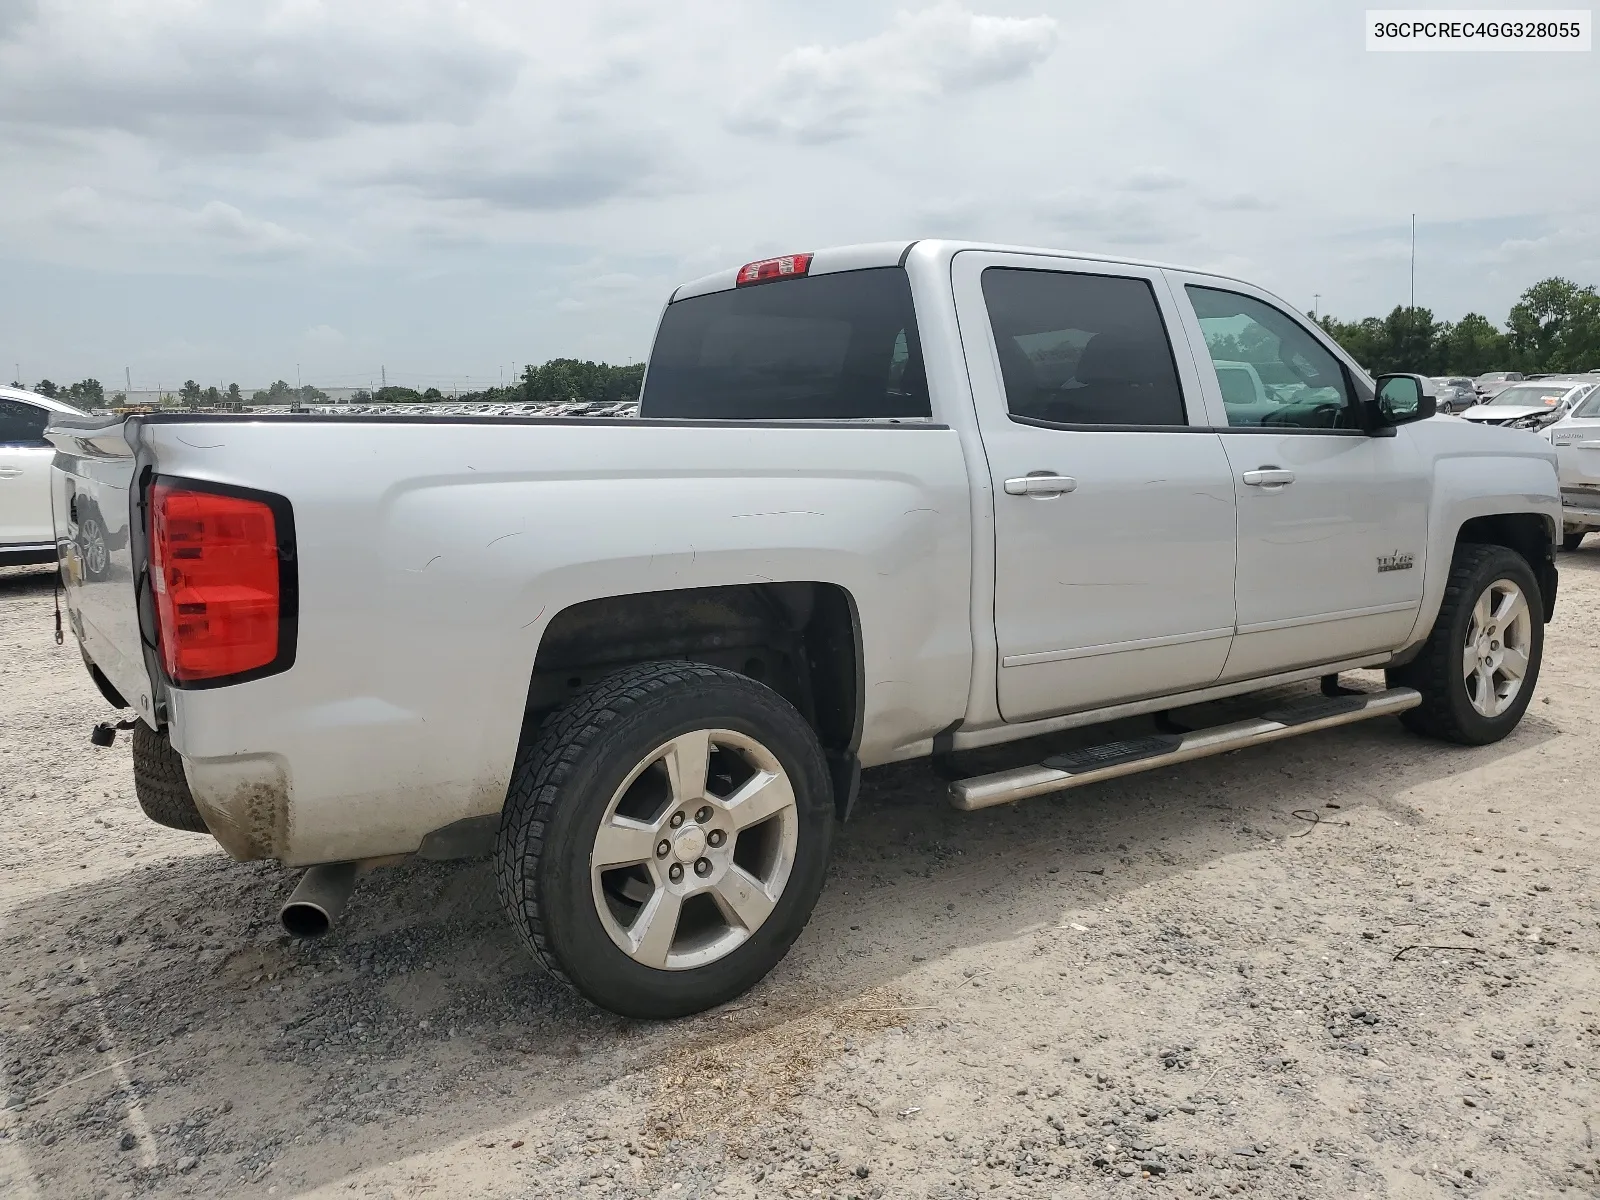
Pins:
x: 1332, y: 521
x: 1113, y: 502
x: 25, y: 458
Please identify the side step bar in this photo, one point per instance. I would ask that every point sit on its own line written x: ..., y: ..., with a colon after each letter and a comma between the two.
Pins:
x: 1091, y: 765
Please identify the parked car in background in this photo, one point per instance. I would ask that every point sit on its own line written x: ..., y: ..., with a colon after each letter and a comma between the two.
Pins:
x: 25, y: 528
x: 1576, y: 438
x: 1454, y: 394
x: 1531, y: 405
x: 1491, y: 382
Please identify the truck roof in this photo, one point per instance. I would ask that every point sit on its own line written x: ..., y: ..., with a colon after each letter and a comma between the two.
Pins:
x: 889, y: 254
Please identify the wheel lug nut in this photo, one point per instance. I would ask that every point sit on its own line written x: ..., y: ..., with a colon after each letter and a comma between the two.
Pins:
x: 677, y: 819
x: 716, y: 837
x: 663, y: 849
x: 702, y: 866
x: 703, y: 815
x: 675, y: 872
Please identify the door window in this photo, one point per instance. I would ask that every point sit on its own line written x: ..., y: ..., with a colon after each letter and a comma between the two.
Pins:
x: 1081, y: 350
x: 22, y: 424
x: 1301, y: 384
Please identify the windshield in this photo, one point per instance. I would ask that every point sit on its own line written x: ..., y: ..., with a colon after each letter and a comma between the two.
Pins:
x: 1590, y: 407
x: 836, y: 347
x: 1530, y: 397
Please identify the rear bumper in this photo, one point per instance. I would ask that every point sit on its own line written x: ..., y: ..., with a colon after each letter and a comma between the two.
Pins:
x: 26, y: 553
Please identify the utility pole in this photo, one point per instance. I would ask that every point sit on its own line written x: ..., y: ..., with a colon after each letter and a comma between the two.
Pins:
x: 384, y: 371
x: 1413, y: 260
x: 1316, y: 303
x: 127, y: 378
x: 297, y: 376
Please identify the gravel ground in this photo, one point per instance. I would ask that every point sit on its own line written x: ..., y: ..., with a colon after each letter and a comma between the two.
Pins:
x: 1168, y: 983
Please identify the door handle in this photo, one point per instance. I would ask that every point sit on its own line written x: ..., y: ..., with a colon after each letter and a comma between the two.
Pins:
x: 1270, y: 477
x: 10, y: 472
x: 1045, y: 484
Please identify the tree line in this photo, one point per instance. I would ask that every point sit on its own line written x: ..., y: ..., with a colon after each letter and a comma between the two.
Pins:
x: 1554, y: 327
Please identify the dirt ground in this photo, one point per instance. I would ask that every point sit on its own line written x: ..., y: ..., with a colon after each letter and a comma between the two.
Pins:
x: 1167, y: 984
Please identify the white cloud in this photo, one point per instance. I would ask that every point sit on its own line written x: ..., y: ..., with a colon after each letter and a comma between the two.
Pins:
x: 822, y: 93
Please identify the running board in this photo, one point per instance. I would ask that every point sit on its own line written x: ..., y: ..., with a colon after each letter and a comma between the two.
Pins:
x: 1091, y: 765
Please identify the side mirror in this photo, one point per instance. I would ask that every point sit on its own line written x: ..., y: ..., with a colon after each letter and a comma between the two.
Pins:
x: 1402, y: 399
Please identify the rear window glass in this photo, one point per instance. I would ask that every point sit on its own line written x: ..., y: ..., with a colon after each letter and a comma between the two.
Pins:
x: 825, y: 347
x: 22, y: 424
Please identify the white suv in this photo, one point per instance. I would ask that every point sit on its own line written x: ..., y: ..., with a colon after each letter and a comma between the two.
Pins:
x: 26, y: 535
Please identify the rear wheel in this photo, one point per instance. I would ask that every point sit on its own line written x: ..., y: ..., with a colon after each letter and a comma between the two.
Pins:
x: 159, y: 782
x: 1478, y: 669
x: 664, y: 842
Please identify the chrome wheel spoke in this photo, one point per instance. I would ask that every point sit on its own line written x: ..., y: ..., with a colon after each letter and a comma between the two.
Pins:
x: 742, y: 899
x: 687, y: 759
x: 1514, y: 663
x: 621, y: 842
x: 1469, y: 659
x: 654, y: 929
x: 763, y: 796
x: 1510, y: 607
x: 1487, y: 700
x: 1482, y: 613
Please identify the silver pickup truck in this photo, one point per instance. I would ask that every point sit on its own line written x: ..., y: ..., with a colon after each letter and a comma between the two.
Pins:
x: 879, y: 503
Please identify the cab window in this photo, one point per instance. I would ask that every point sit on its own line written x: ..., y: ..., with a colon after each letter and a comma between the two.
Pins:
x: 1301, y: 384
x: 22, y: 424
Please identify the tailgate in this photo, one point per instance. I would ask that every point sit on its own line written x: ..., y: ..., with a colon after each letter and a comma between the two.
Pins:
x: 90, y: 484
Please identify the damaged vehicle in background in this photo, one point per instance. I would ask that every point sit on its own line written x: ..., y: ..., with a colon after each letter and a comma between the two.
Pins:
x: 1531, y: 405
x: 1576, y: 438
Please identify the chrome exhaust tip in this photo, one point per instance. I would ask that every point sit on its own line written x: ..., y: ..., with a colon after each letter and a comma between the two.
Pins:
x: 318, y: 899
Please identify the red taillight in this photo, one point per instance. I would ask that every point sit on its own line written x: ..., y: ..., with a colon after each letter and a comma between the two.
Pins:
x: 214, y: 567
x: 790, y: 266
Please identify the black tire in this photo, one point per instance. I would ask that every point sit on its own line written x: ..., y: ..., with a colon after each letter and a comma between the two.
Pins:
x: 159, y: 783
x: 1571, y: 541
x: 561, y: 789
x: 1446, y: 711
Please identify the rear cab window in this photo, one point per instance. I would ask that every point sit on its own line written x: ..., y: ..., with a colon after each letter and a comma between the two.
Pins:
x: 839, y: 347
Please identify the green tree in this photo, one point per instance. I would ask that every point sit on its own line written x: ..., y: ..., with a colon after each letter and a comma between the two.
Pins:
x: 234, y: 396
x: 278, y: 392
x: 87, y: 393
x: 395, y: 394
x: 1556, y: 327
x: 190, y: 394
x: 1472, y: 346
x: 433, y: 394
x: 45, y: 388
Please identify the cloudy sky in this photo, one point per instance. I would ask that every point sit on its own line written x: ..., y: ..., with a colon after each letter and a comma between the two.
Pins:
x: 226, y: 190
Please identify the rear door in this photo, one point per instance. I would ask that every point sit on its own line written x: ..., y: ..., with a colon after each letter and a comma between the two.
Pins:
x: 1114, y: 505
x: 1332, y: 522
x: 24, y: 474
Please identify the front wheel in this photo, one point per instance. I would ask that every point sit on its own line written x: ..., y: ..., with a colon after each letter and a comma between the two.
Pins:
x: 665, y: 840
x: 1478, y: 669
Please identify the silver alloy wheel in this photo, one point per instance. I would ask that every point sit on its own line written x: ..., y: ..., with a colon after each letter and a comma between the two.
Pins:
x: 1498, y: 645
x: 695, y: 849
x: 95, y: 552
